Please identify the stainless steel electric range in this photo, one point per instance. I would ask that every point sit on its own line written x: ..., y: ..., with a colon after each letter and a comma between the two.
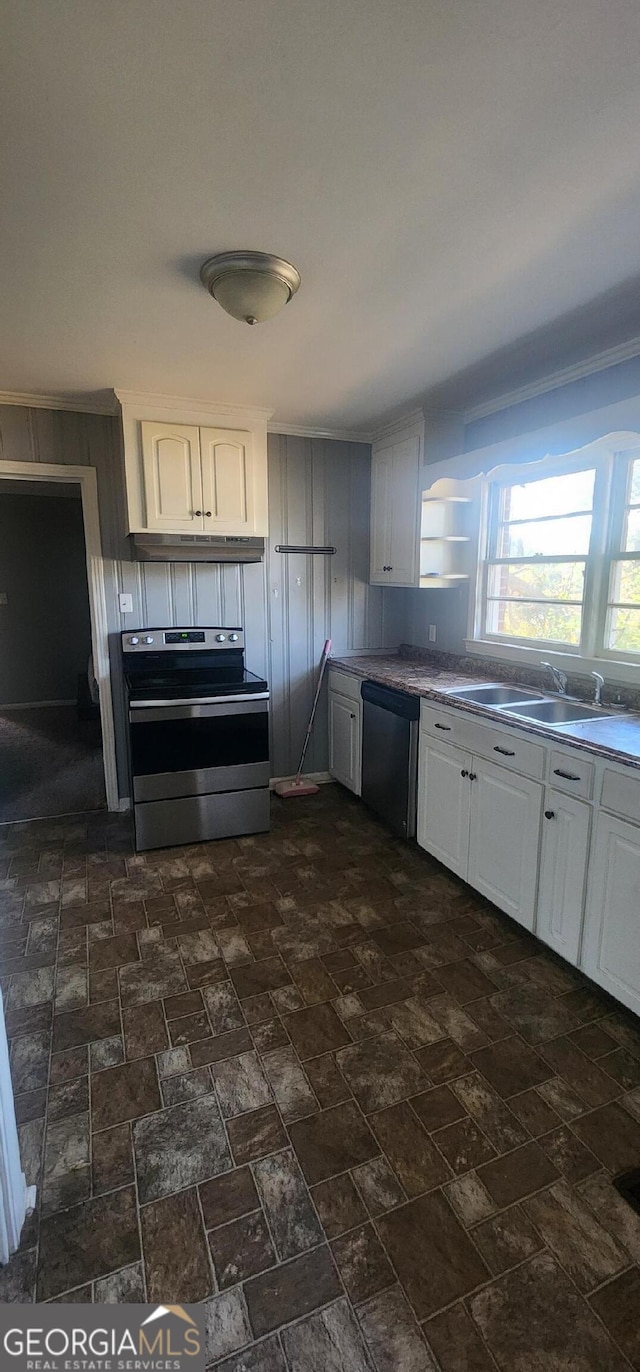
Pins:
x: 199, y: 736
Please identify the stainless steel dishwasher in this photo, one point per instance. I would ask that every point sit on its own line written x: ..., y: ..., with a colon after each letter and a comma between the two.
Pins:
x: 390, y: 755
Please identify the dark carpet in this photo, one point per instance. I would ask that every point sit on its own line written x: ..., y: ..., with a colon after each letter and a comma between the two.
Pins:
x: 50, y: 763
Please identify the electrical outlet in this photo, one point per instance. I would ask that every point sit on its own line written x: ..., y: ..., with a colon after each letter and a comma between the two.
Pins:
x: 125, y: 602
x: 432, y: 633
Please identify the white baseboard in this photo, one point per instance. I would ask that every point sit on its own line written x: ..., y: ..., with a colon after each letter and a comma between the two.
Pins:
x: 34, y: 704
x: 319, y: 779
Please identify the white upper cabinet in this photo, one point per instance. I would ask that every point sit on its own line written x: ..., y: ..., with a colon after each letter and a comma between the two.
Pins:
x: 192, y: 467
x: 395, y: 509
x: 172, y: 476
x: 228, y: 479
x: 381, y: 469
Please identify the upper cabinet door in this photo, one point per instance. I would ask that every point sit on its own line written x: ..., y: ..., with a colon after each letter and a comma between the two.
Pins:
x: 230, y: 482
x: 381, y: 495
x: 403, y: 513
x: 172, y: 477
x: 394, y: 513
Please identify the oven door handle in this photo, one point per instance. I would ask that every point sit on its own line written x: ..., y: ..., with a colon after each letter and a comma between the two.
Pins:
x: 155, y: 712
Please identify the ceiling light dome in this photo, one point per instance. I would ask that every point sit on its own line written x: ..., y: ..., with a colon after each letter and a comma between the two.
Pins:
x: 250, y: 286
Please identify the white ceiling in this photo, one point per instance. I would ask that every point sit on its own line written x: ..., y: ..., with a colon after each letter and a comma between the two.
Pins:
x: 448, y: 175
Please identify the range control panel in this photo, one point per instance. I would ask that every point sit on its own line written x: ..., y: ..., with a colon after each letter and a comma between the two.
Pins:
x: 161, y: 640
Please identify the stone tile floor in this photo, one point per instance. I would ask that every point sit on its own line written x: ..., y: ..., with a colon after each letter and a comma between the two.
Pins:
x: 317, y: 1083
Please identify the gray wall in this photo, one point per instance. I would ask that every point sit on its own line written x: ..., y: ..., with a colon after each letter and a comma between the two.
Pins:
x: 45, y: 631
x: 318, y: 491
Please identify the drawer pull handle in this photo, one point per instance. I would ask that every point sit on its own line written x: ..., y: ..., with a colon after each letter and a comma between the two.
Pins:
x: 549, y: 814
x: 446, y: 727
x: 464, y: 772
x: 568, y: 776
x: 507, y: 752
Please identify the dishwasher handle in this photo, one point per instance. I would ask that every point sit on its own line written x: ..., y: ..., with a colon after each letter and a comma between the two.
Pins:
x: 398, y: 702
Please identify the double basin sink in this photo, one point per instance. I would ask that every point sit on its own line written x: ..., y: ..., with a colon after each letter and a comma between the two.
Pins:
x: 522, y: 704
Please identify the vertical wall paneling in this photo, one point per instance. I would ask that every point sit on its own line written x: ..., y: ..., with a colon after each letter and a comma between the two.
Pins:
x: 318, y: 494
x: 288, y: 605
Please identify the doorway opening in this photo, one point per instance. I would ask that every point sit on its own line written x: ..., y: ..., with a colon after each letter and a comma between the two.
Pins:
x: 52, y: 755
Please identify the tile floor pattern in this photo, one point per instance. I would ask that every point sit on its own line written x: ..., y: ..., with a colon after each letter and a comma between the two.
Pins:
x: 315, y: 1082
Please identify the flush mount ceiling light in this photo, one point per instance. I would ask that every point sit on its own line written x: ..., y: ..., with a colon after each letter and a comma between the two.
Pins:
x: 251, y: 286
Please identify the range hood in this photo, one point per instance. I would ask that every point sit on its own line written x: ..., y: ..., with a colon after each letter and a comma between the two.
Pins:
x: 196, y: 548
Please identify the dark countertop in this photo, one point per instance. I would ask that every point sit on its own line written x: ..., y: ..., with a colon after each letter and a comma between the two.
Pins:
x: 616, y: 737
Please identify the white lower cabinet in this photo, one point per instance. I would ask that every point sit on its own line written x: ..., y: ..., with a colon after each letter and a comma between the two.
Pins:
x: 345, y: 740
x: 611, y: 947
x: 483, y: 822
x: 566, y: 828
x: 444, y: 799
x: 504, y: 839
x: 535, y: 834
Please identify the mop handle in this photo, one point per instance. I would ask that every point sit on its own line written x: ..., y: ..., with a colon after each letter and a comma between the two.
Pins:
x: 323, y: 662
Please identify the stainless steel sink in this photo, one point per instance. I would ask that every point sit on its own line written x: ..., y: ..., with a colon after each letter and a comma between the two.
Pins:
x: 555, y: 711
x: 494, y: 694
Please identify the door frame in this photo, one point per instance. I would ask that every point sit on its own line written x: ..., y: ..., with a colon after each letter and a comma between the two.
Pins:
x: 86, y: 479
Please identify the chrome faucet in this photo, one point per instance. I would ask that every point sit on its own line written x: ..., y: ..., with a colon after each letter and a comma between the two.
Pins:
x: 597, y: 695
x: 559, y: 678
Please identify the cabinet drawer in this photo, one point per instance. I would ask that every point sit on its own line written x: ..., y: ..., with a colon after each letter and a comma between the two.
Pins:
x: 508, y: 749
x: 345, y: 684
x: 621, y: 793
x: 571, y: 773
x: 448, y: 726
x: 505, y: 747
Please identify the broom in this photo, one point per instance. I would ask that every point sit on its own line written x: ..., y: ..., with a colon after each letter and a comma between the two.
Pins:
x: 298, y: 787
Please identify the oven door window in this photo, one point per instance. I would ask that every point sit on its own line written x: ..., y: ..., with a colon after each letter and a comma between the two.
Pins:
x: 185, y: 745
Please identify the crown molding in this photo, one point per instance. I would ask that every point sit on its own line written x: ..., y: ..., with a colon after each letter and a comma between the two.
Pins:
x: 410, y: 419
x: 78, y: 404
x: 598, y: 362
x: 303, y: 431
x: 152, y: 400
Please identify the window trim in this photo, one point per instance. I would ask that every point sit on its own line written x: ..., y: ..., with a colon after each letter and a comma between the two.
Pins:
x: 608, y: 504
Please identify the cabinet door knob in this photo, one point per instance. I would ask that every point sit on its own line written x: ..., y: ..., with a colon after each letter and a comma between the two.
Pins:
x: 198, y: 514
x: 549, y: 814
x: 473, y: 776
x: 464, y: 772
x: 207, y: 514
x: 352, y: 716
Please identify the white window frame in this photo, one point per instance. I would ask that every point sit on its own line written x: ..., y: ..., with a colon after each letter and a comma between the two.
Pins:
x: 608, y: 458
x: 614, y: 552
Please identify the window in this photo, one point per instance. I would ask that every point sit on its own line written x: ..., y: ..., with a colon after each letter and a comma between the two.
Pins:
x: 622, y: 629
x: 562, y: 558
x: 539, y: 543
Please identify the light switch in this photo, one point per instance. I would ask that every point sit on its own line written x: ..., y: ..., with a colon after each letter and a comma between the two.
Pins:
x: 126, y: 603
